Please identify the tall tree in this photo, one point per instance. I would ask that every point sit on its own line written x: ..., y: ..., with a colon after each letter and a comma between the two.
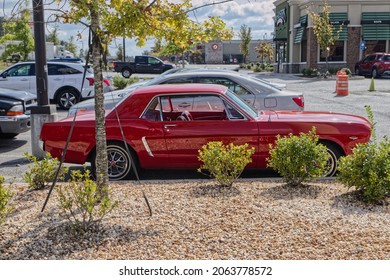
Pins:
x: 245, y: 36
x: 324, y: 30
x: 18, y: 31
x: 119, y: 53
x: 140, y: 20
x: 215, y: 29
x: 53, y: 36
x: 72, y: 46
x: 265, y: 50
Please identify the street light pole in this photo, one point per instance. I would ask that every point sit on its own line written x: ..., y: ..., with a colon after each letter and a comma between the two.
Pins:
x: 43, y: 112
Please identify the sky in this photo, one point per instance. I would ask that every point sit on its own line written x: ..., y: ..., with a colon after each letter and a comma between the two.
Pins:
x: 256, y: 14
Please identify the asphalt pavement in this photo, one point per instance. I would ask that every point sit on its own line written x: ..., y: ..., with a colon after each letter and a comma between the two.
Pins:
x: 319, y: 94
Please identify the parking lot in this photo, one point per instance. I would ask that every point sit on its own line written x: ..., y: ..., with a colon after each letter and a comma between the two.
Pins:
x: 319, y: 95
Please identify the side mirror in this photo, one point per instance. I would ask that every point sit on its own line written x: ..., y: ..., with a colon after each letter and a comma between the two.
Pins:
x: 4, y: 75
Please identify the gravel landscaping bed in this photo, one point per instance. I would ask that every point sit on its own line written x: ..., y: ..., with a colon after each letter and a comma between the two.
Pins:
x: 195, y: 220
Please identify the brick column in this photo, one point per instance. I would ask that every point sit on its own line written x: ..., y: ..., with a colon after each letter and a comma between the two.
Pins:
x: 353, y: 47
x: 312, y: 49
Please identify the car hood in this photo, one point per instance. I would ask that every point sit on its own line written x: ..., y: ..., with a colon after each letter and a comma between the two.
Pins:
x: 16, y: 94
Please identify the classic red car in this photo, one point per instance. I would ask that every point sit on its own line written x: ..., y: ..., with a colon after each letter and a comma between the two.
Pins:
x: 164, y: 126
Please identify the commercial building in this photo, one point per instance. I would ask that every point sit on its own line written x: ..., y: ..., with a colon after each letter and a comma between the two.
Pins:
x: 363, y: 26
x: 229, y: 52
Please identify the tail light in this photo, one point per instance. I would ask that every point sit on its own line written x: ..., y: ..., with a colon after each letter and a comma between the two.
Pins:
x: 16, y: 111
x: 299, y: 101
x: 91, y: 81
x: 107, y: 82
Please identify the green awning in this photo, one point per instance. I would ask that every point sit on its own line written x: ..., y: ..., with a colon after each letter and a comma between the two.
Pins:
x: 340, y: 25
x: 376, y: 26
x: 300, y: 34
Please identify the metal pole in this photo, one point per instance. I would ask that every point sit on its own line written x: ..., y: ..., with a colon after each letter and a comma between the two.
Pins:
x: 43, y: 112
x: 124, y: 49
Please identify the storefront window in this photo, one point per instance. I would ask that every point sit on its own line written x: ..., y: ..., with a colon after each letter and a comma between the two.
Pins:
x: 336, y: 52
x: 375, y: 46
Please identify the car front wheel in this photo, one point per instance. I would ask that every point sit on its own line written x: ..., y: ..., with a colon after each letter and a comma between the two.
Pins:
x: 332, y: 163
x: 67, y: 98
x: 357, y: 71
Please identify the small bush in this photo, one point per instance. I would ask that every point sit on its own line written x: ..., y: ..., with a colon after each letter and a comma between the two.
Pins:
x: 5, y: 196
x: 43, y: 171
x: 368, y: 168
x: 119, y: 82
x: 298, y: 158
x: 310, y: 72
x: 225, y: 163
x: 80, y: 202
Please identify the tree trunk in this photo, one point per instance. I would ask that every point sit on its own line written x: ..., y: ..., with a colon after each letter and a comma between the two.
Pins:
x: 101, y: 144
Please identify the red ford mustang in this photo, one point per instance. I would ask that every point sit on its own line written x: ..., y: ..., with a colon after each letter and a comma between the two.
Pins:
x: 164, y: 127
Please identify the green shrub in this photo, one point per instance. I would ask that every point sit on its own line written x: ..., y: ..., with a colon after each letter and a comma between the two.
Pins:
x: 298, y: 158
x: 310, y: 72
x: 5, y: 196
x: 80, y: 202
x: 367, y: 170
x: 42, y: 172
x: 119, y: 82
x: 224, y: 163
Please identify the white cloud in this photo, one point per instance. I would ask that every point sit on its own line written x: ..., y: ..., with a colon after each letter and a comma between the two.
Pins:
x: 257, y: 14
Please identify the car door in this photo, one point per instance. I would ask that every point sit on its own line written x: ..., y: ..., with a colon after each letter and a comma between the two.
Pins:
x: 212, y: 119
x: 367, y: 63
x: 57, y: 74
x: 20, y: 77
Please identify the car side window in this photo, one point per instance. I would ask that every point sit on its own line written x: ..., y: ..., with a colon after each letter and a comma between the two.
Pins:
x: 233, y: 86
x: 57, y: 69
x: 153, y: 60
x: 152, y: 113
x: 179, y: 81
x: 20, y: 70
x: 370, y: 58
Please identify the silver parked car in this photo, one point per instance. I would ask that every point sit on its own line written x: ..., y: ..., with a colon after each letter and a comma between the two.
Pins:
x: 257, y: 92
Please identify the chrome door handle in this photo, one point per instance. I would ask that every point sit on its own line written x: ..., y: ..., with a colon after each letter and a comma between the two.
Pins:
x: 169, y: 125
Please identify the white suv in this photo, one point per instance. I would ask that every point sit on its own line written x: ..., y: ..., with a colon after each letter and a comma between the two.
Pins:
x: 64, y: 81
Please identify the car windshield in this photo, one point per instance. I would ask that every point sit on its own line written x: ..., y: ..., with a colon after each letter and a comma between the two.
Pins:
x: 245, y: 106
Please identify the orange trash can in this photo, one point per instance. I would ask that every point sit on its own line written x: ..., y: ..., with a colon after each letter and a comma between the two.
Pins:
x: 342, y: 83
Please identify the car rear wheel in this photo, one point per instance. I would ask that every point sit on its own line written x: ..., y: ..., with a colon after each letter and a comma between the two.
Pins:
x: 118, y: 162
x: 334, y: 155
x: 126, y: 73
x: 67, y: 98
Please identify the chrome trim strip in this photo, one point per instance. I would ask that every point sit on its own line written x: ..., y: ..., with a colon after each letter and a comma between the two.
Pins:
x: 147, y: 148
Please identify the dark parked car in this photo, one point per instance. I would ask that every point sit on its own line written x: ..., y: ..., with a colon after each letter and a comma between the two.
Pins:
x: 142, y: 64
x: 14, y: 112
x: 376, y: 65
x: 164, y: 126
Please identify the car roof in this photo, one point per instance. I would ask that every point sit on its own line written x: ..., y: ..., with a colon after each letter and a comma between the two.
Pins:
x: 180, y: 88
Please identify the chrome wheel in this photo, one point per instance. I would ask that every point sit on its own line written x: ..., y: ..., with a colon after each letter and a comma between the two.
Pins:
x: 332, y: 163
x: 119, y: 164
